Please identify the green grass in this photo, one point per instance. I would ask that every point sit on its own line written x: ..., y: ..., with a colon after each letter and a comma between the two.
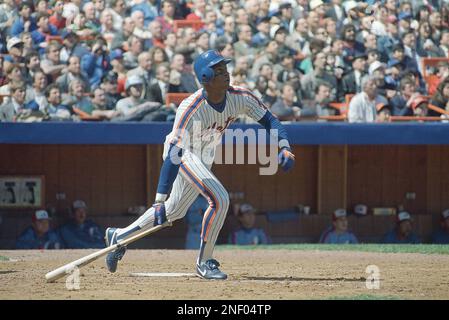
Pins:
x: 382, y: 248
x: 364, y: 297
x: 2, y: 258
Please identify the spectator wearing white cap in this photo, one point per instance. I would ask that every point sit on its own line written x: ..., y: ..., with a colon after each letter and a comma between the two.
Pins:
x: 441, y: 236
x: 80, y: 232
x: 39, y: 235
x: 134, y: 107
x: 402, y: 231
x: 338, y: 233
x: 247, y: 234
x: 15, y: 49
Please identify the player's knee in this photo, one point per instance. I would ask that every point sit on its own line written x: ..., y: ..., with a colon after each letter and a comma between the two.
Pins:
x: 224, y: 201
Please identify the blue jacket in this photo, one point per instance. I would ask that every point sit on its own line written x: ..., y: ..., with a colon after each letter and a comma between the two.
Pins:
x: 251, y: 236
x: 330, y: 236
x: 391, y: 237
x: 85, y: 236
x: 19, y: 26
x: 95, y: 67
x: 39, y: 37
x: 399, y: 105
x: 29, y: 240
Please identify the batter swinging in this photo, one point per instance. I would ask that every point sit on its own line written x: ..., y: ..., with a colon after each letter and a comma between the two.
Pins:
x: 214, y: 107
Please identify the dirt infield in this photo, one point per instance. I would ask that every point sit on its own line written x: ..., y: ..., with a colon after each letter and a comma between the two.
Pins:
x: 253, y: 274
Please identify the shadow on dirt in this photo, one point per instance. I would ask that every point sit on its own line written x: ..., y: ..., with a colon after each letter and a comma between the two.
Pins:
x: 7, y: 271
x: 303, y: 279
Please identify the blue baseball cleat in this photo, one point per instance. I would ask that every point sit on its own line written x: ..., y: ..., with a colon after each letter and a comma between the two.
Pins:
x: 114, y: 256
x: 209, y: 270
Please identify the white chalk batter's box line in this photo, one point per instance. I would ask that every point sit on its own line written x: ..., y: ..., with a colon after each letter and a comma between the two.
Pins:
x: 162, y: 274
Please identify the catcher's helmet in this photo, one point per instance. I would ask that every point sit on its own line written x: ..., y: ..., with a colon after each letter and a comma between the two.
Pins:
x: 204, y: 63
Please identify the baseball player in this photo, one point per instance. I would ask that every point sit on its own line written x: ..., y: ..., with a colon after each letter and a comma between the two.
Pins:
x: 184, y: 171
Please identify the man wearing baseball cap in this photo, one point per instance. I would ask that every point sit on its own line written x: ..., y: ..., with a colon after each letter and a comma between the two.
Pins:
x: 338, y: 232
x: 15, y: 51
x: 134, y: 107
x: 247, y: 234
x: 39, y: 235
x: 80, y: 232
x: 441, y: 236
x: 402, y: 231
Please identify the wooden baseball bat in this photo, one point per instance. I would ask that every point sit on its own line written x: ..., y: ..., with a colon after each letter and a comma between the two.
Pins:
x: 67, y: 268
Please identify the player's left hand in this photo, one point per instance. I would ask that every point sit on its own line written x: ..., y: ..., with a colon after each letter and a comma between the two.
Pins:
x: 160, y: 216
x: 286, y: 159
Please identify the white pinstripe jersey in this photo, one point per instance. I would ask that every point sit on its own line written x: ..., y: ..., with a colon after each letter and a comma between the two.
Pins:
x: 195, y: 111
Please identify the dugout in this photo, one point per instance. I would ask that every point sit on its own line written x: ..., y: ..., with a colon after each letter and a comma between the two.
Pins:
x: 114, y: 166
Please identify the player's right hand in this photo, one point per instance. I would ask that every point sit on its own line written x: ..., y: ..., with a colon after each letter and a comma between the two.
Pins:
x: 286, y: 159
x: 160, y: 216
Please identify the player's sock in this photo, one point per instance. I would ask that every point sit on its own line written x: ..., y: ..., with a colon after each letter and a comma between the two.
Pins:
x: 206, y: 250
x: 143, y: 222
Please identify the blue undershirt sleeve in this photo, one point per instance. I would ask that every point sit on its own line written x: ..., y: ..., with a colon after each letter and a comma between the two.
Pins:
x: 169, y: 169
x: 271, y: 122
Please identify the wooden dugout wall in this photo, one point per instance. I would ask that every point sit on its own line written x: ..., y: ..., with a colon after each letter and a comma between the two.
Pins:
x: 113, y: 178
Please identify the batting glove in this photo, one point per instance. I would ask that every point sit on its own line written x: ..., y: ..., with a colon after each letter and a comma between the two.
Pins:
x: 159, y: 214
x: 286, y: 159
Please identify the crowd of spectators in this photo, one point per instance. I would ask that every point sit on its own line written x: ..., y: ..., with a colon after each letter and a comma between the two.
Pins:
x: 117, y: 60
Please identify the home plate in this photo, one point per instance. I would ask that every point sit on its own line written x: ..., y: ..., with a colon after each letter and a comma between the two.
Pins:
x: 162, y: 274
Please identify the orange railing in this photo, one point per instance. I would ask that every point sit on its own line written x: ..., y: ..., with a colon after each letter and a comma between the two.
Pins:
x: 195, y: 24
x: 85, y: 116
x: 175, y: 98
x: 412, y: 118
x: 333, y: 118
x: 342, y: 107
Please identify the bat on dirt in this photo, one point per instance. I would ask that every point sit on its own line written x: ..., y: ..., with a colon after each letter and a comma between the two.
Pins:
x: 68, y: 268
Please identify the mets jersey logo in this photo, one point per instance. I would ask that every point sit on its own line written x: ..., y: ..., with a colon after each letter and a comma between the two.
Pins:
x: 220, y: 129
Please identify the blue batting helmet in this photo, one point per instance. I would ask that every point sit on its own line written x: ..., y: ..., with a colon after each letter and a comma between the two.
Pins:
x: 204, y: 63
